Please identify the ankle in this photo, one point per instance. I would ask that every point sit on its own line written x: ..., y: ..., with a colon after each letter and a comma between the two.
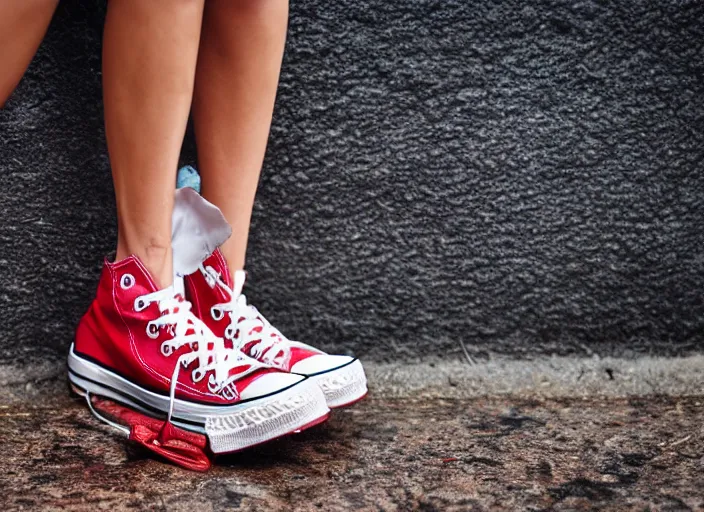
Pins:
x: 157, y: 258
x: 234, y: 255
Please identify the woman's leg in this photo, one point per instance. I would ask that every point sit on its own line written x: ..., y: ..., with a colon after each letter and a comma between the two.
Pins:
x: 22, y: 27
x: 150, y: 50
x: 239, y: 62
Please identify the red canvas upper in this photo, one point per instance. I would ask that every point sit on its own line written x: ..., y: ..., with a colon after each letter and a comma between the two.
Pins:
x: 113, y: 334
x: 204, y: 295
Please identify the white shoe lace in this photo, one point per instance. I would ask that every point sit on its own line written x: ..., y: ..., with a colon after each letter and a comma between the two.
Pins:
x: 209, y: 350
x: 248, y: 329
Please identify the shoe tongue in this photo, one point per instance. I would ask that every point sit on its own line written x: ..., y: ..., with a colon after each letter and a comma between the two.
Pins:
x: 179, y: 286
x: 198, y: 228
x: 238, y: 282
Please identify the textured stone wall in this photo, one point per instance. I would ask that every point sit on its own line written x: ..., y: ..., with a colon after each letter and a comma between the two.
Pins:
x: 521, y: 177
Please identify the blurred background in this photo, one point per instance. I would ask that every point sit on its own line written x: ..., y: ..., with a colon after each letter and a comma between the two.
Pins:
x: 445, y: 180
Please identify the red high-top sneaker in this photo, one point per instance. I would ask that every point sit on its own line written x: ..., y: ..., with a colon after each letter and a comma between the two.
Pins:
x: 143, y: 348
x: 218, y: 300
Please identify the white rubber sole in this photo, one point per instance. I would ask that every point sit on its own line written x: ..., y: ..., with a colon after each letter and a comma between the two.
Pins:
x: 229, y: 428
x: 343, y: 386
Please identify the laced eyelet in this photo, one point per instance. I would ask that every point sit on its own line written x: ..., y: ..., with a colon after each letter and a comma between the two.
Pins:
x: 140, y: 304
x: 212, y: 385
x: 127, y: 281
x: 152, y: 331
x: 197, y: 375
x: 211, y: 276
x: 230, y: 332
x: 229, y: 392
x: 216, y: 313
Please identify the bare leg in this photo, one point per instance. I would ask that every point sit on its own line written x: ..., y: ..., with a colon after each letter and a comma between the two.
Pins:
x: 239, y: 63
x: 149, y: 58
x: 22, y: 26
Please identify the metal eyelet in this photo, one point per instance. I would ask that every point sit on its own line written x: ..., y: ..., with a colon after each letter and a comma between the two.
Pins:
x: 140, y: 304
x: 166, y: 349
x: 197, y: 375
x: 127, y: 281
x: 216, y: 313
x: 152, y: 331
x: 213, y: 386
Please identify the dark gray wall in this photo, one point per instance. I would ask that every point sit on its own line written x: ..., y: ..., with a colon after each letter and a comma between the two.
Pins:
x: 522, y: 176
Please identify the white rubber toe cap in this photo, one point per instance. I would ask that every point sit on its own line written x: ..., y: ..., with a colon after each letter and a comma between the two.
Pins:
x: 320, y: 363
x: 270, y: 383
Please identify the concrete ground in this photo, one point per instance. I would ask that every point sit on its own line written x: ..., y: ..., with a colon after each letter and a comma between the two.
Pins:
x: 435, y: 447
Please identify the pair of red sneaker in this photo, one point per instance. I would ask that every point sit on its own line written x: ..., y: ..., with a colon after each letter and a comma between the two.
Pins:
x: 198, y: 354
